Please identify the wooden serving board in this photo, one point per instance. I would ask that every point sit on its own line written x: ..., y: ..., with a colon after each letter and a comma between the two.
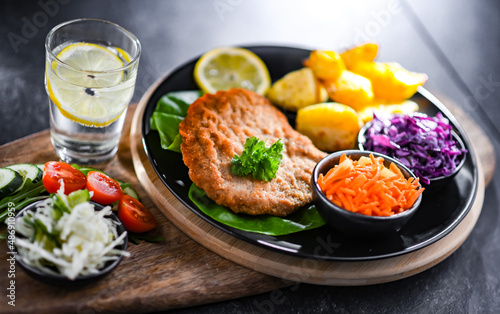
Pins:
x: 288, y: 267
x: 180, y: 272
x: 173, y: 274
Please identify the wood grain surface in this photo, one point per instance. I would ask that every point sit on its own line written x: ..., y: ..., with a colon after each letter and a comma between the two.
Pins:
x: 173, y: 274
x: 180, y: 272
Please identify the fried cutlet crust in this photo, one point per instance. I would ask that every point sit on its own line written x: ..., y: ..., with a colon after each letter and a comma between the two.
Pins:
x: 216, y: 128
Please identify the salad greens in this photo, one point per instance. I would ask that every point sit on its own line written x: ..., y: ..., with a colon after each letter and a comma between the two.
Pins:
x: 29, y: 193
x: 33, y: 191
x: 170, y: 110
x: 304, y: 219
x: 256, y: 159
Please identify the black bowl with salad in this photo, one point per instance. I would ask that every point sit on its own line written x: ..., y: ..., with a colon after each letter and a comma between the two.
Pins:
x: 66, y: 230
x: 68, y: 239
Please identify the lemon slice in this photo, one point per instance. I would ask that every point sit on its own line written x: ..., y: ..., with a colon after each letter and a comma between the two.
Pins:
x: 89, y: 57
x: 229, y: 67
x: 81, y: 91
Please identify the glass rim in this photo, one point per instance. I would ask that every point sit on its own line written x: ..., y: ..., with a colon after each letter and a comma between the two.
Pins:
x: 134, y: 39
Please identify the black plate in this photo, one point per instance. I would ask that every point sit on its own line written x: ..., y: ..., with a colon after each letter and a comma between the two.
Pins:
x: 438, y: 214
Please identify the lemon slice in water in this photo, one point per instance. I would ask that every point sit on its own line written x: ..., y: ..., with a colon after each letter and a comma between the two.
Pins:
x: 81, y: 91
x: 229, y: 67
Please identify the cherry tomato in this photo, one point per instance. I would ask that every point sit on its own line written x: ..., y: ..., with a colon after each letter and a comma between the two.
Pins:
x: 54, y: 171
x: 106, y: 190
x: 134, y: 216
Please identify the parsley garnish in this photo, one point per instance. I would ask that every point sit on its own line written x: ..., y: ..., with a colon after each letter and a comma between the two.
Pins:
x: 257, y: 159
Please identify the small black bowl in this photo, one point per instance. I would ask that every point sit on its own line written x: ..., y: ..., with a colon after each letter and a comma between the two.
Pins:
x: 355, y: 224
x: 435, y: 183
x: 62, y: 281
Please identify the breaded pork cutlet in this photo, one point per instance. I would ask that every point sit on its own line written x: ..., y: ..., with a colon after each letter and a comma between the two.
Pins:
x: 216, y: 128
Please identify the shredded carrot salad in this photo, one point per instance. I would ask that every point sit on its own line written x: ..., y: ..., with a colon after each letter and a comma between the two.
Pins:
x: 367, y: 187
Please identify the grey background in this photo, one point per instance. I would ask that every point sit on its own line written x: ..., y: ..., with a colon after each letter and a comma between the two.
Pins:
x: 455, y: 42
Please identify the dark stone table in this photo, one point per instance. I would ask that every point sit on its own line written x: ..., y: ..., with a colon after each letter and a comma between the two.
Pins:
x: 455, y: 42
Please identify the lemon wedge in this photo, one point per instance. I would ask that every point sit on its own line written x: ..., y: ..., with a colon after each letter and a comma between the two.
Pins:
x: 229, y: 67
x: 81, y: 90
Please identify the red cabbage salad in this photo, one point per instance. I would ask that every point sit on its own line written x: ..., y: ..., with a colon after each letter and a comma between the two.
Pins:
x: 423, y: 144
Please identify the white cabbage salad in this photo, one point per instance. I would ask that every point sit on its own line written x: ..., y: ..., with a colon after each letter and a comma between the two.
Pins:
x: 66, y: 232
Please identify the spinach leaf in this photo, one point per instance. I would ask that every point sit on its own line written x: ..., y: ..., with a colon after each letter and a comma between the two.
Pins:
x: 168, y: 127
x: 304, y: 219
x: 170, y: 111
x: 177, y: 103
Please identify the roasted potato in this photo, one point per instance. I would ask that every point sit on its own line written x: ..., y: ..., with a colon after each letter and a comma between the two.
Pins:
x: 350, y: 89
x: 296, y: 90
x: 326, y: 65
x: 381, y: 108
x: 363, y: 53
x: 330, y: 126
x: 390, y: 81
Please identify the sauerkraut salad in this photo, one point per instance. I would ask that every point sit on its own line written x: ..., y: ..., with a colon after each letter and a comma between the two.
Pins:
x: 66, y: 236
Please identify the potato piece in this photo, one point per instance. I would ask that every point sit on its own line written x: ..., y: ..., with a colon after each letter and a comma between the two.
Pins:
x: 297, y: 89
x: 326, y: 65
x: 330, y: 126
x: 363, y: 53
x: 350, y: 89
x: 390, y: 81
x: 381, y: 108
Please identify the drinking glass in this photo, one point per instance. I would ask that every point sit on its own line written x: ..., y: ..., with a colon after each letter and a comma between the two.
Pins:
x: 90, y: 72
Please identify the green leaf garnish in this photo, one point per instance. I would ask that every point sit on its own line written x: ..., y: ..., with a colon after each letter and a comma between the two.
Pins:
x: 258, y: 160
x: 305, y: 218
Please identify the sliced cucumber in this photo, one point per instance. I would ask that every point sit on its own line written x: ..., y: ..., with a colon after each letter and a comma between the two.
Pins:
x: 131, y: 192
x: 10, y: 181
x: 40, y: 166
x: 128, y: 189
x: 28, y: 171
